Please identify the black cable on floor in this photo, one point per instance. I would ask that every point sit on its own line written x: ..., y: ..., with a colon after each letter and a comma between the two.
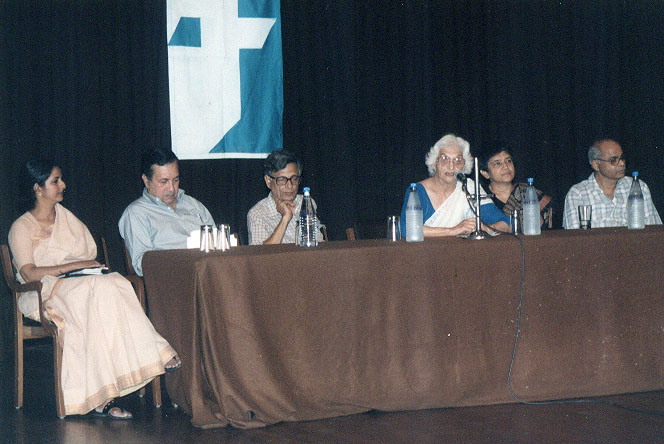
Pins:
x: 516, y: 342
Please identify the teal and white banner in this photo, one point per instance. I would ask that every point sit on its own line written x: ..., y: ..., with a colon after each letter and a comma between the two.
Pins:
x: 225, y: 78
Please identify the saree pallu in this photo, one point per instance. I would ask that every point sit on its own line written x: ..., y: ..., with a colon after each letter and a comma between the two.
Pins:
x: 515, y: 202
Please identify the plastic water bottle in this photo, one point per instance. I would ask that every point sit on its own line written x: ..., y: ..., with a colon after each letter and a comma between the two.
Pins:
x: 531, y: 212
x: 308, y: 223
x: 636, y: 213
x: 414, y: 216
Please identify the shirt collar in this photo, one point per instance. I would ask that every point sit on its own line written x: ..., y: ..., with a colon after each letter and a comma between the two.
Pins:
x: 274, y: 204
x: 157, y: 201
x: 598, y: 191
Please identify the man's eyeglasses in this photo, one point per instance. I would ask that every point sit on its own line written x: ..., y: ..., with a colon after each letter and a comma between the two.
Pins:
x: 281, y: 180
x: 614, y: 160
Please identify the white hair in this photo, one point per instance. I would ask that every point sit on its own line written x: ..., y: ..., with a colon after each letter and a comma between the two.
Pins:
x: 445, y: 141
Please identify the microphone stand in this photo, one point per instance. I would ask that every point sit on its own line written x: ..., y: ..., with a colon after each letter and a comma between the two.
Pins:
x: 478, y: 233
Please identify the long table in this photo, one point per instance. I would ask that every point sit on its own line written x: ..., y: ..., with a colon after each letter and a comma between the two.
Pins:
x: 281, y: 333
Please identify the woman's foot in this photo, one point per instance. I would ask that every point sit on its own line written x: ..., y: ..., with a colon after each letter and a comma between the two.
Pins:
x: 112, y: 411
x: 174, y: 364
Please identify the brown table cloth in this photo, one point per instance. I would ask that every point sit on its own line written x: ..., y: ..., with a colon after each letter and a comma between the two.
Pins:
x: 282, y: 333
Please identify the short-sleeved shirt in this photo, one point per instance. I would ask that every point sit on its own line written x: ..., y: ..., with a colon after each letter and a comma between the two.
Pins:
x: 263, y: 218
x: 606, y: 212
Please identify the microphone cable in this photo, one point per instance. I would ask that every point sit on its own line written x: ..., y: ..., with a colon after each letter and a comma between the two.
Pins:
x: 516, y: 343
x: 470, y: 198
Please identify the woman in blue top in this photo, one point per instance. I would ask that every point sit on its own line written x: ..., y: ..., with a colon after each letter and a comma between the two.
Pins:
x: 446, y: 211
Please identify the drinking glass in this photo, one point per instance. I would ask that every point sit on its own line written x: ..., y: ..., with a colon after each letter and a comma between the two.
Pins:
x: 223, y: 241
x: 393, y: 228
x: 585, y: 213
x: 516, y: 218
x: 207, y: 239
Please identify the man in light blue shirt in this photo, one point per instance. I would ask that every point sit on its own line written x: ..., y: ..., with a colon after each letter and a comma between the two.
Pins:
x: 164, y: 216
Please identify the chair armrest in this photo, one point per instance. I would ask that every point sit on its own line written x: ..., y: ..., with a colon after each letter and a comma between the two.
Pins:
x: 47, y: 324
x: 30, y: 286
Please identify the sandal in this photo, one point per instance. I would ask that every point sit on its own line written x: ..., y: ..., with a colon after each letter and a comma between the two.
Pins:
x: 172, y: 368
x: 118, y: 413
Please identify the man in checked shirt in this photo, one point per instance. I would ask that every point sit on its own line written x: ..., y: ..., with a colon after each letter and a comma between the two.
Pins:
x: 606, y: 190
x: 273, y: 219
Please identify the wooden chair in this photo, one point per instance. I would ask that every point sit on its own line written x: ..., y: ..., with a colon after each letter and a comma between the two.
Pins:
x: 367, y: 230
x: 550, y: 223
x: 26, y: 329
x: 544, y: 201
x: 350, y: 233
x: 139, y: 287
x: 135, y: 279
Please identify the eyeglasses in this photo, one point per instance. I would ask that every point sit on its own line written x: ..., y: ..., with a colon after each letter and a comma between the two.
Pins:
x: 281, y: 180
x: 457, y: 161
x: 614, y: 160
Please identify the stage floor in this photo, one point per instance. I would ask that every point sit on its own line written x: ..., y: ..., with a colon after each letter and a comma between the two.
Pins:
x: 507, y: 423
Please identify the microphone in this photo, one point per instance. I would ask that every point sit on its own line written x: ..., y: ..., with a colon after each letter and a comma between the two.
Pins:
x: 461, y: 178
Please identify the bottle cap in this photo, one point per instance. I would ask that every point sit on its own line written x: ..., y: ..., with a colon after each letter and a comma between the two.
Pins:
x: 635, y: 174
x: 413, y: 185
x: 530, y: 181
x: 306, y: 190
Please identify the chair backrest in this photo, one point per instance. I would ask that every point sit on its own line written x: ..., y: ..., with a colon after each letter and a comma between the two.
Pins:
x: 17, y: 288
x: 104, y: 252
x: 367, y: 230
x: 7, y: 268
x: 127, y: 258
x: 350, y: 233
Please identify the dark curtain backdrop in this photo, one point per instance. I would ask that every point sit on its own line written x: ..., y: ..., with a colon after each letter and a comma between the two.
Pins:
x: 368, y: 88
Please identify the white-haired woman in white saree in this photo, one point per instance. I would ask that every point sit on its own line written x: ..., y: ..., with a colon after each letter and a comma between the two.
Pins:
x: 446, y: 211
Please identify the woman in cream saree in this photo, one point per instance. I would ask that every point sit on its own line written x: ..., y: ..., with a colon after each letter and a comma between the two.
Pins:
x: 110, y: 348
